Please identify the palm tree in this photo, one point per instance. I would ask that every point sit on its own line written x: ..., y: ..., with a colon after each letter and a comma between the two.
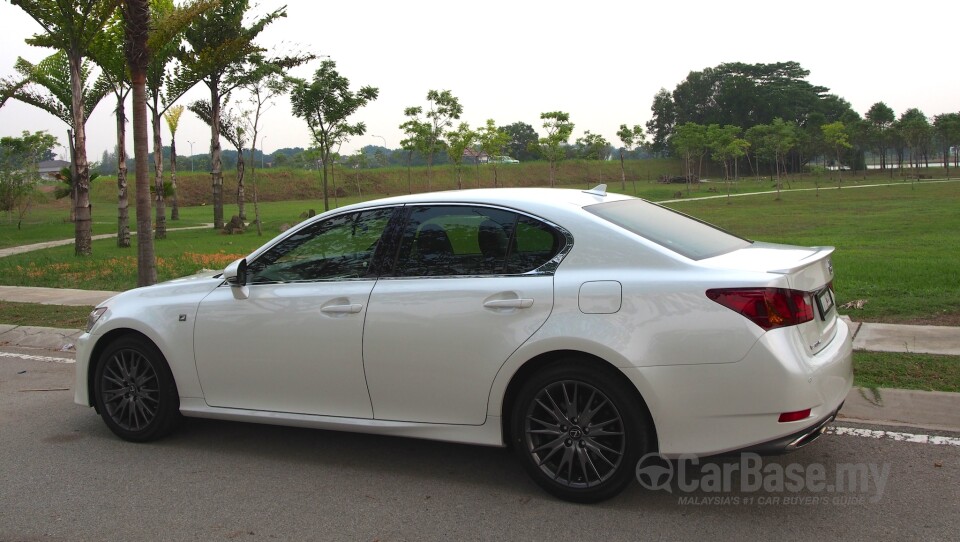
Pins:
x: 219, y: 43
x: 172, y: 117
x: 52, y: 74
x: 107, y: 52
x: 231, y: 128
x: 71, y: 27
x: 136, y: 14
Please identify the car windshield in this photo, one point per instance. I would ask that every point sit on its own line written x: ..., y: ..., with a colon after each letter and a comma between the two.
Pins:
x: 676, y: 231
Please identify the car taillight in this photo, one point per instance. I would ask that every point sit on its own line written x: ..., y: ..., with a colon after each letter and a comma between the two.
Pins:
x: 769, y: 308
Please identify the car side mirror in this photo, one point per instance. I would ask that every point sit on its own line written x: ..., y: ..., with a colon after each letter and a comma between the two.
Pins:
x: 236, y: 276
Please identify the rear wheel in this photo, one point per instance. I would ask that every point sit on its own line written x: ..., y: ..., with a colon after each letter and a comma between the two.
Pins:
x: 579, y: 431
x: 134, y: 390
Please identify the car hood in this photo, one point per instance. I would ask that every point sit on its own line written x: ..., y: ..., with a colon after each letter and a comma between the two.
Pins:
x: 199, y: 284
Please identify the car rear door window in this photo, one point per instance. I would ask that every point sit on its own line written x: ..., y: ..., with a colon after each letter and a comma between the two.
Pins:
x: 473, y: 240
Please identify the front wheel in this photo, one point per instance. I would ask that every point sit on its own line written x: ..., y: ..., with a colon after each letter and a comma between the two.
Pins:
x: 134, y: 390
x: 579, y: 431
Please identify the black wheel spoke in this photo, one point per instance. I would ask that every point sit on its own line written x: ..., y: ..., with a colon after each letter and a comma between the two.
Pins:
x: 130, y: 389
x: 570, y: 449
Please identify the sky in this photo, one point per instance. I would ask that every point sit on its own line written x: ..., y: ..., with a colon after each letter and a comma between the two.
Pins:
x: 602, y: 63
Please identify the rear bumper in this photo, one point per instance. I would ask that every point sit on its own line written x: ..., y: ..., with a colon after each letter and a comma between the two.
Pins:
x: 790, y: 442
x: 713, y: 409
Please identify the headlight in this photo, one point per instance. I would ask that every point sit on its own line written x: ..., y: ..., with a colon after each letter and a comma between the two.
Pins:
x: 94, y: 316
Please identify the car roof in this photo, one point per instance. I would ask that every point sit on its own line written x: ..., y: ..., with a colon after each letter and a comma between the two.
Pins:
x: 533, y: 200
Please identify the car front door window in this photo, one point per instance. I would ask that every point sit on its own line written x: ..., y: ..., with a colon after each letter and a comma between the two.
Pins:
x: 340, y: 247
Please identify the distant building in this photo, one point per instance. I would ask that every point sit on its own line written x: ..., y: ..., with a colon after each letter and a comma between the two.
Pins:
x: 475, y: 156
x: 48, y: 168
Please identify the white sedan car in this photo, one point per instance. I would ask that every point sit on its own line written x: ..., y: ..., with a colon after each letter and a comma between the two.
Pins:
x: 581, y: 328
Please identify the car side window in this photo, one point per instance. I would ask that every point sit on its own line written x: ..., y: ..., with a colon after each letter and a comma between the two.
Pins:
x: 473, y: 241
x: 340, y: 247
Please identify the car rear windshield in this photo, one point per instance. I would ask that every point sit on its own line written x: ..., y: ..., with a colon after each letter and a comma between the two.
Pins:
x: 678, y: 232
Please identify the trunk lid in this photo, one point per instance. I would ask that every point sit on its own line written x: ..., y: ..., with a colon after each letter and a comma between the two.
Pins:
x: 807, y: 269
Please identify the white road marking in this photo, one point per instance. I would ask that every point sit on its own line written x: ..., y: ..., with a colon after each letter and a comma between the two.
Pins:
x: 31, y: 357
x: 893, y: 435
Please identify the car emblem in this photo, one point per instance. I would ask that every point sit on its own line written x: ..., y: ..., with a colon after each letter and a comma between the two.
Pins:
x: 830, y: 266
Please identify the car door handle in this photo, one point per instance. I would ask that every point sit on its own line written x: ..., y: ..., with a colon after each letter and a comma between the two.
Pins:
x: 522, y: 303
x: 342, y: 309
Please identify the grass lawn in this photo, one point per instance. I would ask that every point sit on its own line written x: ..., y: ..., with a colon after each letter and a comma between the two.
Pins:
x: 906, y: 371
x: 898, y: 247
x: 35, y: 314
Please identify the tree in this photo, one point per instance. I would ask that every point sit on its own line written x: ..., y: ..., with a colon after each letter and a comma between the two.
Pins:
x: 948, y: 128
x: 71, y: 27
x: 263, y: 80
x: 690, y: 142
x: 594, y: 146
x: 745, y: 95
x: 172, y: 116
x: 559, y: 128
x: 136, y: 16
x: 630, y: 138
x: 218, y: 43
x: 427, y: 130
x: 19, y: 170
x: 774, y: 141
x: 725, y: 145
x: 9, y: 88
x: 492, y: 141
x: 522, y: 142
x: 660, y: 126
x: 232, y: 129
x: 916, y: 132
x: 107, y: 52
x: 53, y: 75
x: 835, y: 135
x: 418, y: 133
x: 458, y: 141
x: 881, y: 117
x: 325, y: 104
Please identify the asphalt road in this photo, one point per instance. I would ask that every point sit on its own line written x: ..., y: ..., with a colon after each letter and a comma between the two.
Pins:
x: 64, y: 476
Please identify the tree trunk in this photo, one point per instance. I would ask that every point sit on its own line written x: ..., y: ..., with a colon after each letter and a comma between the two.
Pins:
x: 216, y: 163
x: 146, y: 259
x: 430, y: 171
x: 326, y: 196
x: 623, y: 174
x: 175, y: 206
x: 253, y: 174
x: 123, y: 199
x: 83, y: 225
x: 160, y: 206
x: 241, y: 195
x: 73, y: 177
x: 409, y: 164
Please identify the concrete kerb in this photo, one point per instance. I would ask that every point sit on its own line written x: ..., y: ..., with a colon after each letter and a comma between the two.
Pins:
x: 46, y: 338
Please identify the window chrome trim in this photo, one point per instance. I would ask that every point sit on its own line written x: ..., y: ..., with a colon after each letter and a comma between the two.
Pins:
x: 548, y: 268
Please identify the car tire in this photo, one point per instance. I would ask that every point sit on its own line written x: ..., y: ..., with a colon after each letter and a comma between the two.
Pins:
x: 134, y: 390
x: 579, y: 430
